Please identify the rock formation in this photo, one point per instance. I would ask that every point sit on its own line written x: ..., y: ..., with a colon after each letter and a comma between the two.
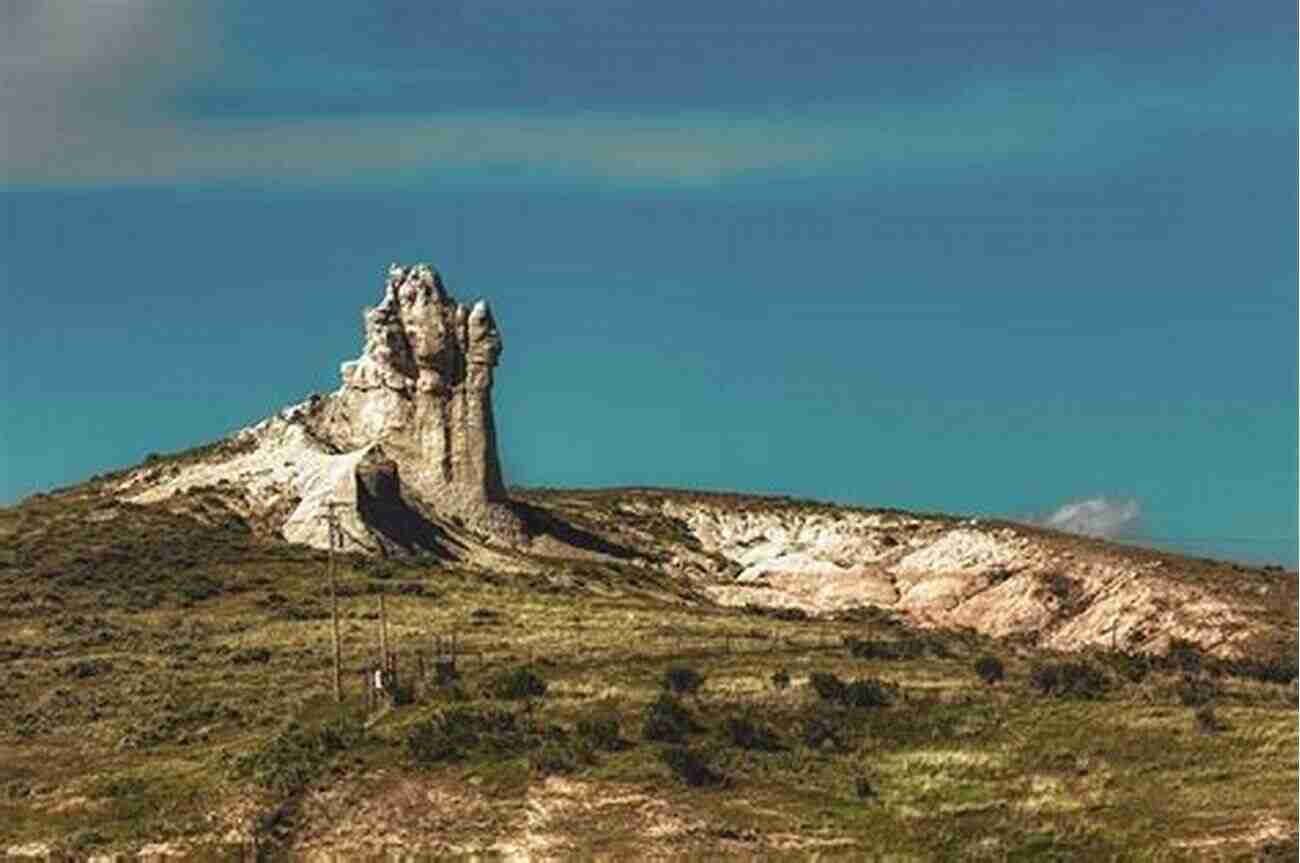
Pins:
x: 407, y: 441
x: 422, y: 388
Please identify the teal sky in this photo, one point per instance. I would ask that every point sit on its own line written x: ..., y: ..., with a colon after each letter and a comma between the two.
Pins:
x: 987, y: 258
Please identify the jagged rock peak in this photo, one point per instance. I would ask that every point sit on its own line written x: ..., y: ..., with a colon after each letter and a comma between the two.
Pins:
x: 422, y: 388
x: 406, y: 442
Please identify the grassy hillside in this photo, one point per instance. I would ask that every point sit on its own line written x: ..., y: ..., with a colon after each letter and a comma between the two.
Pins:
x: 164, y: 678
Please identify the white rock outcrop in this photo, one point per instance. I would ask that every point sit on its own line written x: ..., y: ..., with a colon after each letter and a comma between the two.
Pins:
x: 408, y: 439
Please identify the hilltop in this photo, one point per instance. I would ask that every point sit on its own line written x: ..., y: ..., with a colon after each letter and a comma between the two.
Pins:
x: 640, y: 672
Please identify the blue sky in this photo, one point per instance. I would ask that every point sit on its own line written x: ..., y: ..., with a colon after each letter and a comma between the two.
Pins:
x: 988, y: 258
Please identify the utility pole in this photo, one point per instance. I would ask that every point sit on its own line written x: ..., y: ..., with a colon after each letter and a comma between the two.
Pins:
x: 383, y: 631
x: 331, y: 518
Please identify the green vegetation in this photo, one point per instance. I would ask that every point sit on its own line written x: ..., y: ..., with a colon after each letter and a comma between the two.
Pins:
x: 164, y: 676
x: 667, y: 720
x: 990, y: 669
x: 521, y: 682
x: 681, y: 680
x: 1069, y: 680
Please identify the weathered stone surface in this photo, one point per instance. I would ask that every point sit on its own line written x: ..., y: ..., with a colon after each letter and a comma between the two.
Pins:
x: 423, y: 388
x: 408, y: 439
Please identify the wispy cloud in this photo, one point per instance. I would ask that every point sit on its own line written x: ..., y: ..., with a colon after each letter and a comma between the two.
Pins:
x: 1107, y: 518
x: 92, y: 101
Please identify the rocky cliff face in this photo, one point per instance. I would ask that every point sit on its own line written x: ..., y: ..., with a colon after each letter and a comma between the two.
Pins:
x: 423, y: 389
x: 407, y: 441
x: 1001, y: 579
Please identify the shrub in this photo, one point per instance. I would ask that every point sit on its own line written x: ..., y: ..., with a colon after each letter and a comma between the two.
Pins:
x: 452, y: 734
x: 383, y: 568
x: 1183, y: 655
x: 820, y: 728
x: 1278, y: 665
x: 862, y: 787
x: 1208, y: 721
x: 521, y: 682
x: 293, y: 757
x: 827, y: 686
x: 88, y: 668
x: 666, y: 720
x: 989, y: 668
x: 1133, y: 668
x: 907, y: 647
x: 251, y: 656
x: 600, y: 732
x: 83, y: 840
x: 1061, y: 586
x: 681, y: 680
x: 901, y: 649
x: 781, y: 679
x: 1069, y: 680
x: 558, y: 756
x: 858, y: 693
x: 748, y: 734
x: 402, y: 693
x: 340, y: 733
x: 866, y: 693
x: 690, y: 767
x: 1195, y: 690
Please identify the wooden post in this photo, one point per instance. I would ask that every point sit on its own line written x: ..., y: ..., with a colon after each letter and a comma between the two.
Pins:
x: 383, y: 632
x: 332, y: 524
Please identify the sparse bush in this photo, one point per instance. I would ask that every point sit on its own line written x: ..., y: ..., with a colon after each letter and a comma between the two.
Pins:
x: 902, y: 649
x: 452, y: 734
x: 748, y: 734
x: 681, y: 680
x: 402, y: 693
x: 296, y: 755
x: 1208, y: 721
x: 1184, y: 655
x: 429, y: 742
x: 781, y: 679
x: 690, y: 766
x: 383, y: 568
x: 342, y: 732
x: 827, y: 686
x: 521, y: 682
x: 84, y: 840
x: 1069, y: 680
x: 823, y: 727
x: 445, y: 673
x: 84, y: 668
x: 666, y: 720
x: 484, y: 617
x: 1278, y: 665
x: 1195, y: 690
x: 1061, y: 586
x: 1131, y: 667
x: 251, y: 656
x: 989, y: 668
x: 560, y: 756
x: 600, y: 732
x: 866, y: 692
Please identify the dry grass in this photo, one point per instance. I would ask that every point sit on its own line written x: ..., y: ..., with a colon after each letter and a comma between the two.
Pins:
x: 207, y: 650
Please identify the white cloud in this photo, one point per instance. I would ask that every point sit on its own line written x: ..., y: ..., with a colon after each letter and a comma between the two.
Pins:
x: 1098, y: 516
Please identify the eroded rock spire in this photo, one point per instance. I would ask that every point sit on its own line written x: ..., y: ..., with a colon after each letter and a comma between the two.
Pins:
x: 408, y: 440
x: 422, y: 388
